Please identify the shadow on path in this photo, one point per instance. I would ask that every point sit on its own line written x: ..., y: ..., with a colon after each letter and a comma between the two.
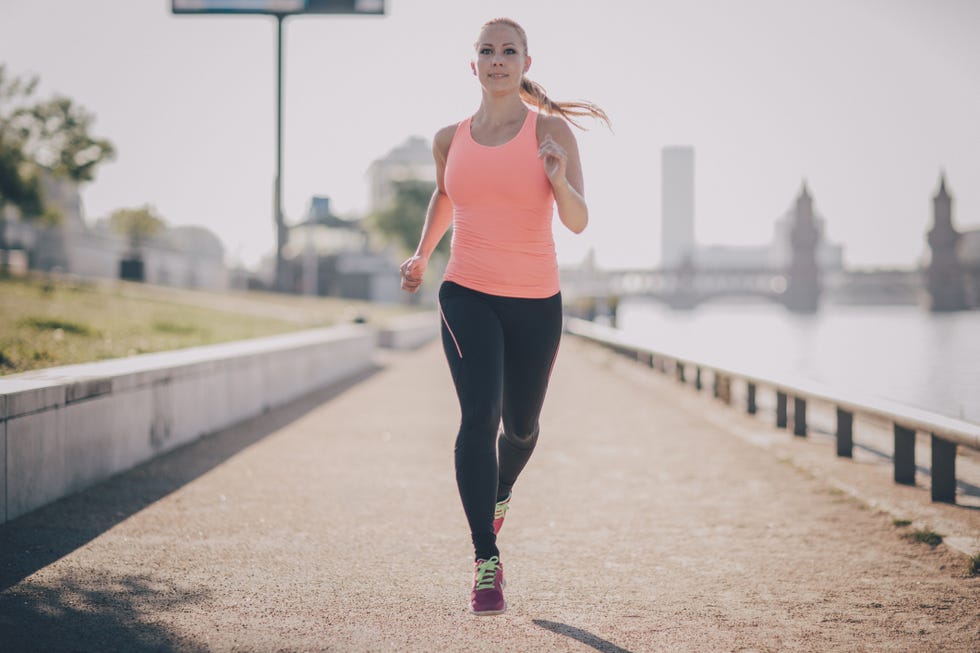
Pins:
x: 37, y: 539
x: 96, y: 614
x: 580, y: 635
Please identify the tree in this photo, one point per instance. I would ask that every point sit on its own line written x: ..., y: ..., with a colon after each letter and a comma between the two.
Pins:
x: 138, y: 225
x: 19, y: 182
x: 52, y: 137
x: 402, y: 220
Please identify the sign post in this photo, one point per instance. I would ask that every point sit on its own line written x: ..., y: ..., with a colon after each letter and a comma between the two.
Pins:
x: 280, y: 9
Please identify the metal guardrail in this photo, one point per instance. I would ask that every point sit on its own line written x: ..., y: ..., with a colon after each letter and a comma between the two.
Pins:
x: 945, y: 433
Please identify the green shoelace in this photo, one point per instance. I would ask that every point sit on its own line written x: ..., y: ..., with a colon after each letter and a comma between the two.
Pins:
x: 486, y: 573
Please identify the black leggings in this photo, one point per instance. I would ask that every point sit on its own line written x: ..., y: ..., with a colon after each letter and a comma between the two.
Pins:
x: 500, y: 352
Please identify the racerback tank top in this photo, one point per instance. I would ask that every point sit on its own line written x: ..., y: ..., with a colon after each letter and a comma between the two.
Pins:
x: 502, y: 214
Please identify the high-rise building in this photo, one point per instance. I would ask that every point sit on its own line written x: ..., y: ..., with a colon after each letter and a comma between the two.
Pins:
x: 676, y: 206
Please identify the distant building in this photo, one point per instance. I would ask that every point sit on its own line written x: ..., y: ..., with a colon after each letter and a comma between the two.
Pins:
x: 777, y: 254
x: 830, y: 256
x: 410, y: 160
x: 953, y: 273
x: 804, y: 278
x: 676, y: 206
x: 189, y: 256
x: 330, y: 256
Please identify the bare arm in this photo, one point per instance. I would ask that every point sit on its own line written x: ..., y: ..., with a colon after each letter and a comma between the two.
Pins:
x: 558, y: 151
x: 438, y: 216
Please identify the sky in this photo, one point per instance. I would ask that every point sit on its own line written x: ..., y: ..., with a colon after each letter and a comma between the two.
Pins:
x: 867, y: 100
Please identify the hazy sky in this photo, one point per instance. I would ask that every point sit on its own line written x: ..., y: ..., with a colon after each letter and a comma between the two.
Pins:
x: 866, y: 99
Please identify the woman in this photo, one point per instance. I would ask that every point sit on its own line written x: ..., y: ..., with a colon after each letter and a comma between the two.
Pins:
x: 499, y: 175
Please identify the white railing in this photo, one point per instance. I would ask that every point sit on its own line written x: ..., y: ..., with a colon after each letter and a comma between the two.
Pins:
x: 945, y: 433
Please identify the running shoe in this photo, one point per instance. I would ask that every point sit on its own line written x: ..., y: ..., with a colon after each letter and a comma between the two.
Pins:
x: 499, y: 511
x: 487, y: 597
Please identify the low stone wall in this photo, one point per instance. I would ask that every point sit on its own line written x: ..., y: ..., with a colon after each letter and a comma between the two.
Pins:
x: 410, y: 331
x: 65, y: 428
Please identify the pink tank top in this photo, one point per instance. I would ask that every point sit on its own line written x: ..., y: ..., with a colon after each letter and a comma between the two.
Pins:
x: 502, y: 212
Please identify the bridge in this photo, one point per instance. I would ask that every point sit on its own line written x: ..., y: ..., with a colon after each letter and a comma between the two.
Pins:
x: 688, y: 288
x: 650, y: 518
x: 678, y: 288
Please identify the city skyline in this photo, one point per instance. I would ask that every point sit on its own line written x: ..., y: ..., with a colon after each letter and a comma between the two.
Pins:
x: 868, y: 102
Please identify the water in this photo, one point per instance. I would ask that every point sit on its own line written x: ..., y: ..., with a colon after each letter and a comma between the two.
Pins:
x: 902, y: 353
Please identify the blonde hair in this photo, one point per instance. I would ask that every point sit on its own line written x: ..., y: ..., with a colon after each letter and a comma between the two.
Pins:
x: 534, y: 94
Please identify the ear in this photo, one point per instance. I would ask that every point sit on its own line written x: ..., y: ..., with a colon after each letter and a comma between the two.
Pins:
x: 473, y: 67
x: 527, y: 62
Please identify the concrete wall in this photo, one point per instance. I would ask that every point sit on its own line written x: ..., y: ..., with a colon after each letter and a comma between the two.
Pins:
x: 410, y: 331
x: 65, y: 428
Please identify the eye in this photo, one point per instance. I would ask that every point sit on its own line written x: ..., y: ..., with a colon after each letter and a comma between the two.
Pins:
x: 486, y: 51
x: 510, y: 51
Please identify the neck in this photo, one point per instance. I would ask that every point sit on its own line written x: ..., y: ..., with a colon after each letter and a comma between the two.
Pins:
x: 498, y: 110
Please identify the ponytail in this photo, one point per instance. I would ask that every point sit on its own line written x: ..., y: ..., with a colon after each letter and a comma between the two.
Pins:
x: 534, y: 94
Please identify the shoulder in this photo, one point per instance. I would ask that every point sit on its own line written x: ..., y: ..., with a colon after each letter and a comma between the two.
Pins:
x: 443, y: 139
x: 556, y: 127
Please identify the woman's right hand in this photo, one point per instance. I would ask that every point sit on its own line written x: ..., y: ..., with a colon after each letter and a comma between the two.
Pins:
x: 412, y: 271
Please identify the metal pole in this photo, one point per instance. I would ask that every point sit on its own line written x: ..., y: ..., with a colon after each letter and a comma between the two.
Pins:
x: 280, y: 282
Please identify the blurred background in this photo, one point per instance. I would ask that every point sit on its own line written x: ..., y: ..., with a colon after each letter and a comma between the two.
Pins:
x: 724, y: 116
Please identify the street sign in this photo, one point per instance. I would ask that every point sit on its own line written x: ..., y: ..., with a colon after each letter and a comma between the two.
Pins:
x: 278, y: 7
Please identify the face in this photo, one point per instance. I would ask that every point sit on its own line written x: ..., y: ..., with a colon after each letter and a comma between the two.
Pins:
x: 500, y: 58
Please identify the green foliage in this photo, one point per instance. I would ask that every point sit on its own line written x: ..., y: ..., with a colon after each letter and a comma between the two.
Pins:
x: 51, y: 135
x: 931, y: 538
x: 401, y: 222
x: 973, y: 565
x: 136, y: 224
x: 899, y: 523
x: 57, y: 137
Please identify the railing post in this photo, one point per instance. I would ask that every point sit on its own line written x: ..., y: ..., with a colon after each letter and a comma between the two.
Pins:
x: 904, y: 455
x: 715, y: 385
x: 799, y: 416
x: 750, y: 407
x: 725, y: 388
x: 697, y: 378
x: 780, y: 409
x: 679, y: 369
x: 943, y: 470
x: 845, y: 433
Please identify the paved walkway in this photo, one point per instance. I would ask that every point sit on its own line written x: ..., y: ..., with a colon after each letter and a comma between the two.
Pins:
x: 643, y: 523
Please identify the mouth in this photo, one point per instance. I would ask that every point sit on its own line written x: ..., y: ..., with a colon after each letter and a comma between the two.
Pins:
x: 498, y: 75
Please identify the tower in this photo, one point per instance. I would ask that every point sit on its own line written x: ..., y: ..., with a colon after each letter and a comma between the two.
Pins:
x: 944, y: 277
x: 677, y: 206
x: 803, y: 286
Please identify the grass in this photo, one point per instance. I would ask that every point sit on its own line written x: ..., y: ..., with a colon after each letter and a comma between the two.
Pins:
x: 931, y: 538
x: 45, y: 321
x: 973, y: 565
x: 899, y: 523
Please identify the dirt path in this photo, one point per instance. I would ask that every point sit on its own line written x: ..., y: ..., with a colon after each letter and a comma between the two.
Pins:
x: 645, y: 522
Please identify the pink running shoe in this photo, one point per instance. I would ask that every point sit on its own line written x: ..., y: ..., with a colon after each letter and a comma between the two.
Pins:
x: 499, y: 511
x: 488, y: 588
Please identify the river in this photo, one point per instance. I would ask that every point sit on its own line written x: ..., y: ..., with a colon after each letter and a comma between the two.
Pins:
x: 903, y: 353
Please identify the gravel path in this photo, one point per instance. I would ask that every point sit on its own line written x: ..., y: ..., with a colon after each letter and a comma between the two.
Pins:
x: 649, y: 519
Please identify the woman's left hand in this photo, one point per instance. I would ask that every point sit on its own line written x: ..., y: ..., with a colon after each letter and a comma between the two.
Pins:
x: 555, y: 159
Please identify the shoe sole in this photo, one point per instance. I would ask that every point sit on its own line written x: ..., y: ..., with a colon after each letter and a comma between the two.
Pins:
x: 489, y: 613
